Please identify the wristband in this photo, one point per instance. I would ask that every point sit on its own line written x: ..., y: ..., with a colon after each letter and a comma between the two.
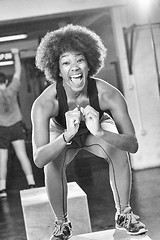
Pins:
x: 67, y: 143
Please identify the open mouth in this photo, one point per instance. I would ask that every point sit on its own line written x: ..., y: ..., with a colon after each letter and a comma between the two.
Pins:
x: 76, y: 79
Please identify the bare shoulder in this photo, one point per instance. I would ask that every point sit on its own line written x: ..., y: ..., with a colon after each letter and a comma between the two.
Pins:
x: 46, y: 103
x: 108, y: 94
x: 107, y: 89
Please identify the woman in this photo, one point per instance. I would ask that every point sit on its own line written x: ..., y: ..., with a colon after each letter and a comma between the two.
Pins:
x: 78, y: 111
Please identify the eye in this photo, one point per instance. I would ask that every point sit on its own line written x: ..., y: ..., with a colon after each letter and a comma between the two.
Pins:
x: 65, y: 63
x: 80, y: 60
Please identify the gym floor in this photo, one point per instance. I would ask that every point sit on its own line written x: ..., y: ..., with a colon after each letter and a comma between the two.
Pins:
x: 91, y: 173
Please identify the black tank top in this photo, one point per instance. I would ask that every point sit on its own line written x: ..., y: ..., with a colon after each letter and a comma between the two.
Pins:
x: 62, y: 100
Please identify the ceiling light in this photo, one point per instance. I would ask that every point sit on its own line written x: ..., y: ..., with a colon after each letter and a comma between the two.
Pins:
x: 6, y: 63
x: 144, y: 5
x: 13, y: 37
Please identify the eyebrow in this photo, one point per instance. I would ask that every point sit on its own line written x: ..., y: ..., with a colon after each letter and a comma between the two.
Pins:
x: 66, y: 55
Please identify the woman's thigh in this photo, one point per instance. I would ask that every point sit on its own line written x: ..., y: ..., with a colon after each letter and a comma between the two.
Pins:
x: 98, y: 146
x: 68, y: 153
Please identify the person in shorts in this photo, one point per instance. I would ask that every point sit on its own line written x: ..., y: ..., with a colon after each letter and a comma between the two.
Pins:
x: 11, y: 126
x: 80, y: 111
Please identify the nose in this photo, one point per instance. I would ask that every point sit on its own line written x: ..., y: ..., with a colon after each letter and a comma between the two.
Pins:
x: 74, y: 67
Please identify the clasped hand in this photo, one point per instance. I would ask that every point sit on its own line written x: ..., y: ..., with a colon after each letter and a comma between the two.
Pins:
x: 87, y: 114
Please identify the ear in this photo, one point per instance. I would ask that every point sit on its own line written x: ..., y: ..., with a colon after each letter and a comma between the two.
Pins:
x: 60, y: 74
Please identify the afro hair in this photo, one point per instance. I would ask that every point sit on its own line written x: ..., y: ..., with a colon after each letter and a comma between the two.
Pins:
x: 69, y: 38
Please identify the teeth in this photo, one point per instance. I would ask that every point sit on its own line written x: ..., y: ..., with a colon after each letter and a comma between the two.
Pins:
x: 76, y: 79
x: 76, y: 76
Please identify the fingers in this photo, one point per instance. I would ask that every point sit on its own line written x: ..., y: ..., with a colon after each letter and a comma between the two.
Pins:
x: 76, y: 121
x: 78, y: 114
x: 73, y: 116
x: 89, y: 112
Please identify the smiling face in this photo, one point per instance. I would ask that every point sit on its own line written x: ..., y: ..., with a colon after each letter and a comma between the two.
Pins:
x: 74, y: 70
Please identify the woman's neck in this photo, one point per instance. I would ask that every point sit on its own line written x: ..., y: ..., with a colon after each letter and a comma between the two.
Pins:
x: 77, y: 99
x: 75, y: 94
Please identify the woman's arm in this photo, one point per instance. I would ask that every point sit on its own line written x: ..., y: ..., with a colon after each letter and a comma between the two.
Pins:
x: 44, y: 151
x: 111, y: 99
x: 126, y: 139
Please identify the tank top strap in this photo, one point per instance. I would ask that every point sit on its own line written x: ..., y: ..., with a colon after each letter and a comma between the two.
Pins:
x: 62, y: 100
x: 93, y: 95
x: 63, y: 106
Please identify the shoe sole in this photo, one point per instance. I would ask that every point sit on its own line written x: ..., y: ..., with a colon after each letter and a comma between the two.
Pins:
x: 64, y: 238
x: 57, y: 238
x: 142, y: 231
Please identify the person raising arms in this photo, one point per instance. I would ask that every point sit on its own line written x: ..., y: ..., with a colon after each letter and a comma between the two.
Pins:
x: 11, y: 128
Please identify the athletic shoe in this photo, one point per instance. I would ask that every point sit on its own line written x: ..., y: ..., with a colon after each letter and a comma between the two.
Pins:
x: 62, y: 231
x: 130, y: 222
x: 3, y: 193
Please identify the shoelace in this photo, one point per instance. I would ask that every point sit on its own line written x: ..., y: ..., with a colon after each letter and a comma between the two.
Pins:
x: 58, y: 231
x: 130, y: 217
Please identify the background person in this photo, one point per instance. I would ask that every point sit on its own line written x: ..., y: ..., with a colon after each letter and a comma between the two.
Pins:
x: 11, y: 127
